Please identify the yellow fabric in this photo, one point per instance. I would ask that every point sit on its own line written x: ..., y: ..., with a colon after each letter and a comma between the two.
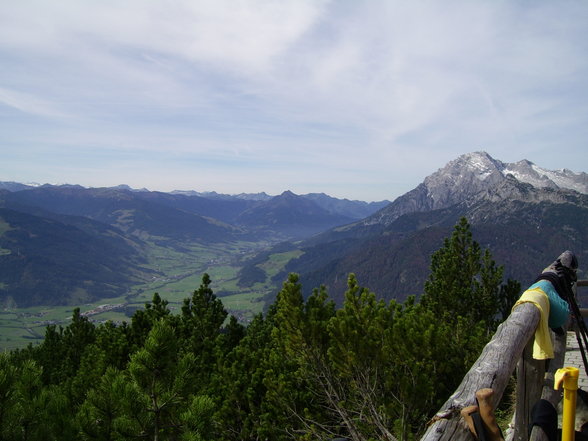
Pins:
x: 543, y: 346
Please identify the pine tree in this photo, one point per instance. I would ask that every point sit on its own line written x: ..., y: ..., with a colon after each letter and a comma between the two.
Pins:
x: 8, y: 377
x: 199, y: 327
x: 464, y: 282
x: 51, y: 355
x: 354, y: 381
x: 203, y: 312
x: 509, y: 294
x: 100, y: 409
x: 162, y: 379
x: 143, y: 320
x: 27, y: 414
x: 229, y: 337
x: 241, y: 387
x: 76, y: 336
x: 299, y: 349
x: 197, y: 419
x: 116, y: 343
x: 424, y: 359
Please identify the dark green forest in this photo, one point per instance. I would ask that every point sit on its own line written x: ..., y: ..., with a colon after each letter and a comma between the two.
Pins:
x: 304, y: 370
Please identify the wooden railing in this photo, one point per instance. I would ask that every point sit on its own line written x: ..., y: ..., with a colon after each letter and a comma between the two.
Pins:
x: 510, y: 347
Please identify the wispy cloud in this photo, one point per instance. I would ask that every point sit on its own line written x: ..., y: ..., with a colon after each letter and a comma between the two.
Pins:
x: 29, y: 104
x: 384, y: 91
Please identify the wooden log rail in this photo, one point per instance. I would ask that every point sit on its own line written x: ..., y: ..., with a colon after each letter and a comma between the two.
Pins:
x: 510, y: 346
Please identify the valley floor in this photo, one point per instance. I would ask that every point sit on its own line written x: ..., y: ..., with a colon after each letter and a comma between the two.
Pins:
x: 179, y: 273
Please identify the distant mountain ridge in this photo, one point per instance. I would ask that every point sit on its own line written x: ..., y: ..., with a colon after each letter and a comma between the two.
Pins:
x: 122, y: 209
x: 121, y: 206
x: 214, y: 195
x: 15, y: 186
x: 294, y: 215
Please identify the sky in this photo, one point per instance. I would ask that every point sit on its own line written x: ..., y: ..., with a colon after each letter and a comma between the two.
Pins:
x: 359, y: 99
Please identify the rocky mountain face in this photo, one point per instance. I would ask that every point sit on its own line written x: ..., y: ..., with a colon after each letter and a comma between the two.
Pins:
x: 526, y: 171
x: 468, y: 175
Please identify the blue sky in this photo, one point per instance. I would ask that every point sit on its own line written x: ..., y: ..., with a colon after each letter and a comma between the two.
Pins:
x: 357, y: 99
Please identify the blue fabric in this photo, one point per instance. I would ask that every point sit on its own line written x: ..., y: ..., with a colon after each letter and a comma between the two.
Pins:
x: 558, y: 307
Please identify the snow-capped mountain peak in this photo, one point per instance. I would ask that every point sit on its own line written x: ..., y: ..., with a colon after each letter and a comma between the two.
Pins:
x: 481, y: 166
x: 479, y: 162
x: 470, y: 174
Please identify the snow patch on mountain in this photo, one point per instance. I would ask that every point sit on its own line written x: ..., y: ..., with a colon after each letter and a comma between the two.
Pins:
x: 469, y: 175
x: 526, y: 171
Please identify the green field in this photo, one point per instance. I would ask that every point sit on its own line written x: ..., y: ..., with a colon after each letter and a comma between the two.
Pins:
x: 177, y: 274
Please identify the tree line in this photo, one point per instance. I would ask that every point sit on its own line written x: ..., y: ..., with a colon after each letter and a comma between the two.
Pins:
x: 304, y: 370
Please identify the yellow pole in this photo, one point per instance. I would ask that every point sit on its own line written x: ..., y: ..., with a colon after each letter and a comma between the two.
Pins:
x: 569, y: 377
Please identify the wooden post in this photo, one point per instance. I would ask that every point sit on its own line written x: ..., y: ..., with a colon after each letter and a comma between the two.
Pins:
x: 549, y: 393
x: 530, y: 374
x: 492, y: 370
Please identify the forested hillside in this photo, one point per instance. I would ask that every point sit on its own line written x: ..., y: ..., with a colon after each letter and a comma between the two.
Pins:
x: 305, y: 370
x: 58, y: 260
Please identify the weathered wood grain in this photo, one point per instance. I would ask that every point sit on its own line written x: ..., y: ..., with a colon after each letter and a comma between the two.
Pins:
x: 530, y: 374
x: 491, y: 370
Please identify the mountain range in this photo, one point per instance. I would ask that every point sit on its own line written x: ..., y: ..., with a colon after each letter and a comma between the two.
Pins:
x: 524, y: 214
x: 66, y: 244
x: 70, y: 244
